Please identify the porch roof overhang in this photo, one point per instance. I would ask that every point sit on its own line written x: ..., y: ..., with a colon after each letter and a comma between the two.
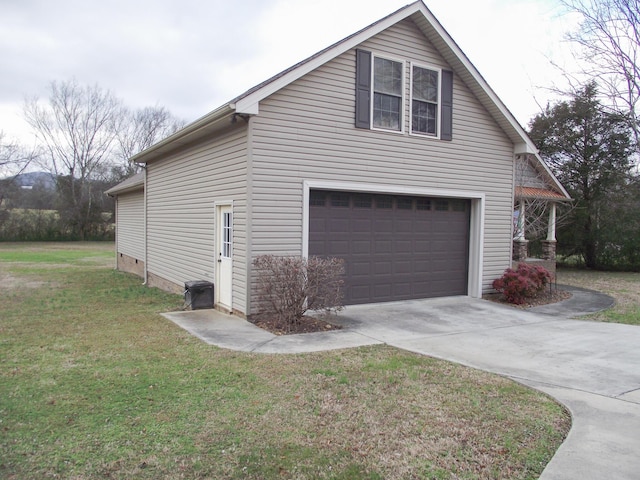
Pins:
x: 539, y: 193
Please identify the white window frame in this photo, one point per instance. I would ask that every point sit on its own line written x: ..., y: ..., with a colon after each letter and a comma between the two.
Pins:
x: 402, y: 91
x: 439, y: 108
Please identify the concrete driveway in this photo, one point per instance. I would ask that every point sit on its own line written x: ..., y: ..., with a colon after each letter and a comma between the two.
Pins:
x: 592, y: 368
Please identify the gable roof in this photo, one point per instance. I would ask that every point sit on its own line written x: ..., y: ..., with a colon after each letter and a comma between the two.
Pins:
x: 248, y: 103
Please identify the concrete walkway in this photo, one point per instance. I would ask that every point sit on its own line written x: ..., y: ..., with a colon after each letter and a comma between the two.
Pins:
x: 592, y: 368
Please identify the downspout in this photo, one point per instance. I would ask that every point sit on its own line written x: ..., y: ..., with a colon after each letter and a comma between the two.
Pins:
x: 116, y: 232
x: 249, y: 218
x: 144, y: 214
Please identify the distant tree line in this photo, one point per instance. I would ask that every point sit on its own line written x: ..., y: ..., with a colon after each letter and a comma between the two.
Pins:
x: 85, y: 137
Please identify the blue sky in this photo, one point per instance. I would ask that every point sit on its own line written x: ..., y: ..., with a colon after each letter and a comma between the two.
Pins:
x: 190, y: 56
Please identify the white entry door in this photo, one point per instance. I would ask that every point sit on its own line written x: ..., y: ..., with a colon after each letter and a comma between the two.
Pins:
x: 225, y: 255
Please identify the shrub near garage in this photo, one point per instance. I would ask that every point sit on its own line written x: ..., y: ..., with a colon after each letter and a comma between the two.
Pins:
x: 523, y: 283
x: 289, y: 286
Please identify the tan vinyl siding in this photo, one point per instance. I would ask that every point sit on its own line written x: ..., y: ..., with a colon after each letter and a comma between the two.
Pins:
x: 130, y: 226
x: 306, y: 132
x: 181, y: 193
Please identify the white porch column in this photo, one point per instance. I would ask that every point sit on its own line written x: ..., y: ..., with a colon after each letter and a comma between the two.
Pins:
x: 549, y: 245
x: 521, y: 225
x: 551, y: 228
x: 520, y: 243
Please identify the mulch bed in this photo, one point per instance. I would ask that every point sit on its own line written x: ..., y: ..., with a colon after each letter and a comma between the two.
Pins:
x: 544, y: 298
x: 307, y: 324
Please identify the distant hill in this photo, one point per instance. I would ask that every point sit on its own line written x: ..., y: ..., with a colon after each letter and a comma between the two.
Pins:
x: 31, y: 179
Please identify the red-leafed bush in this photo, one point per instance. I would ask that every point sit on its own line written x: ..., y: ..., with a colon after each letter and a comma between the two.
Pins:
x: 523, y: 283
x: 289, y: 286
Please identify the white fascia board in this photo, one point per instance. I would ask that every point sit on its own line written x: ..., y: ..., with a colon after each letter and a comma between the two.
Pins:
x: 245, y: 108
x: 249, y: 104
x: 525, y: 148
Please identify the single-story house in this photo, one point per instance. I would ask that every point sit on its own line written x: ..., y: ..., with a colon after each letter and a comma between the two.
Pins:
x: 387, y: 149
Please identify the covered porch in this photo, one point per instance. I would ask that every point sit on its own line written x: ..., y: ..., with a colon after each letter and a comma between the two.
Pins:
x: 537, y: 195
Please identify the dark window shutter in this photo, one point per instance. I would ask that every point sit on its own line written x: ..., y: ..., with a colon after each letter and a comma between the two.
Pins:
x: 446, y: 126
x: 363, y: 89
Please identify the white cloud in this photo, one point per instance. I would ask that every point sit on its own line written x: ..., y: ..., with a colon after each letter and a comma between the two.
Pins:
x: 194, y: 55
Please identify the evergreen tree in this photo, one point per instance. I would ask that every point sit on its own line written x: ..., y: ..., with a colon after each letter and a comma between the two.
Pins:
x: 589, y: 149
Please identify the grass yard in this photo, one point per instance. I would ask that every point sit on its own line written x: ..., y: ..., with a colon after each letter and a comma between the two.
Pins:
x: 624, y: 287
x: 95, y: 384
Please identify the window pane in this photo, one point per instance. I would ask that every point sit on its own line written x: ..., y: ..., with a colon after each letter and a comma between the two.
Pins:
x: 387, y: 76
x: 317, y: 199
x: 424, y: 107
x: 442, y: 205
x: 404, y: 203
x: 423, y: 204
x: 383, y: 201
x: 386, y: 111
x: 425, y: 85
x: 387, y: 94
x: 424, y: 117
x: 362, y: 201
x: 226, y: 235
x: 340, y: 200
x: 459, y: 206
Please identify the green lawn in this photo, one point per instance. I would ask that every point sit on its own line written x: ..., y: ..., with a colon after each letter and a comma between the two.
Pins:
x: 95, y: 384
x: 624, y: 287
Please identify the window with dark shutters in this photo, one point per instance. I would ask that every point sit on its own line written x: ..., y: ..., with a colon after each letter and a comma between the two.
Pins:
x: 387, y: 101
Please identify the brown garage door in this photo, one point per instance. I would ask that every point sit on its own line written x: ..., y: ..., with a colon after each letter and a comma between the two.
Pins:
x: 394, y: 247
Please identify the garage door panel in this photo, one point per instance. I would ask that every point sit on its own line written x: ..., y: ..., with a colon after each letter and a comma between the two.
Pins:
x: 360, y: 293
x: 402, y: 267
x: 338, y: 225
x: 382, y: 267
x: 361, y: 247
x: 339, y: 247
x: 383, y: 247
x: 382, y: 224
x: 403, y: 225
x: 404, y: 247
x: 398, y: 248
x: 317, y: 225
x: 361, y: 225
x: 402, y: 290
x: 360, y: 268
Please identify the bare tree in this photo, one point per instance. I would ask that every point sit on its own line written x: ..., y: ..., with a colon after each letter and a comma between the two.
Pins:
x: 14, y: 159
x: 139, y: 130
x: 609, y: 41
x: 77, y: 128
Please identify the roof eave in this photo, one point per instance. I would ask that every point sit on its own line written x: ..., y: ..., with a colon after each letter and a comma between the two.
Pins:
x: 192, y: 132
x: 114, y: 192
x: 131, y: 184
